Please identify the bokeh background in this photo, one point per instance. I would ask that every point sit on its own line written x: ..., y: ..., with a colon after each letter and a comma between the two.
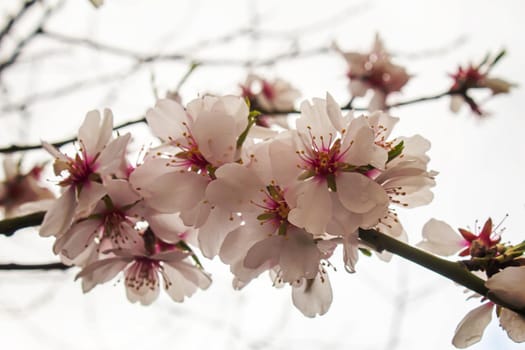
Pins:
x: 87, y: 58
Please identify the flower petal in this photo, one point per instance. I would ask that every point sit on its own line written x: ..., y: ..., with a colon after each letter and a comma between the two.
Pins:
x: 441, y: 239
x: 472, y: 326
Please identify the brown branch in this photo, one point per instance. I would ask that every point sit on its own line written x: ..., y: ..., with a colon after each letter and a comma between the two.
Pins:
x: 9, y: 226
x: 33, y: 267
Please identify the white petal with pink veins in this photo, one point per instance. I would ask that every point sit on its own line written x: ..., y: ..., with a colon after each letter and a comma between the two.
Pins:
x: 314, y: 207
x: 165, y: 120
x: 169, y: 227
x: 234, y: 188
x: 513, y: 324
x: 59, y: 217
x: 176, y: 191
x: 314, y: 296
x: 112, y: 156
x: 471, y: 328
x: 183, y: 280
x: 120, y: 192
x: 77, y: 238
x: 358, y: 193
x: 219, y: 223
x: 265, y: 251
x: 360, y: 142
x: 313, y: 122
x: 299, y: 256
x: 237, y: 108
x: 509, y: 285
x: 102, y: 271
x: 89, y: 131
x: 90, y: 193
x: 215, y: 135
x: 441, y: 239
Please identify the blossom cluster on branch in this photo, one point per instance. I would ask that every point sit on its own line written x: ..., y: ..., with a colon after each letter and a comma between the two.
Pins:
x: 228, y: 178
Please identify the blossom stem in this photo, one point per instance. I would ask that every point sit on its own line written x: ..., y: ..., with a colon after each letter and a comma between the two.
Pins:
x: 9, y: 226
x: 454, y: 271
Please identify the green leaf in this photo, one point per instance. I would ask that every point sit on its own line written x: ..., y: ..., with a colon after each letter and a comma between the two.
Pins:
x: 306, y: 175
x: 242, y: 137
x: 396, y: 151
x: 282, y: 228
x: 330, y: 180
x: 265, y: 216
x: 365, y: 251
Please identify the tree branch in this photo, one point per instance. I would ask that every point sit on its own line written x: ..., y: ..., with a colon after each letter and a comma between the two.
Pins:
x: 32, y: 267
x: 454, y: 271
x: 9, y: 226
x: 19, y: 148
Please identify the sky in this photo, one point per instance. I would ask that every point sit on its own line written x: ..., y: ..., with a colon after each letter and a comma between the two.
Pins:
x: 382, y: 306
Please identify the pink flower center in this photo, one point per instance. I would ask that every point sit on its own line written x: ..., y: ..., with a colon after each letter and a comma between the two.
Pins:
x: 275, y: 208
x: 190, y: 157
x: 80, y: 169
x: 323, y: 159
x: 115, y: 227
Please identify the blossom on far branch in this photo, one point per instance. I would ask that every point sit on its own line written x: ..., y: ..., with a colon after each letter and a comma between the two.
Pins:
x: 476, y: 77
x: 501, y: 264
x: 22, y: 192
x: 374, y: 71
x: 271, y: 97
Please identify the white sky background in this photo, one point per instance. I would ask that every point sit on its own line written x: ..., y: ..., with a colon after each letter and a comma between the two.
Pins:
x: 382, y: 306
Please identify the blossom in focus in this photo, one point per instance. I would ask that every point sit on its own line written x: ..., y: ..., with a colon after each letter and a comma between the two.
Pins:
x: 110, y: 225
x: 476, y: 77
x: 260, y: 189
x: 143, y: 272
x: 197, y: 141
x: 22, y: 193
x: 334, y: 153
x: 374, y: 71
x: 98, y: 156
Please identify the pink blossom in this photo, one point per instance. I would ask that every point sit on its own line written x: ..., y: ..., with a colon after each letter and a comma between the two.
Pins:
x: 81, y: 176
x: 374, y: 71
x: 143, y: 273
x: 22, y: 193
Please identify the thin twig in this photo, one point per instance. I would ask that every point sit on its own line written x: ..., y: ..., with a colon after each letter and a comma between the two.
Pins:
x: 20, y: 148
x: 13, y: 19
x: 33, y: 34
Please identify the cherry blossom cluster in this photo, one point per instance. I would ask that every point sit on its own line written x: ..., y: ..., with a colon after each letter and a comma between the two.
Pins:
x: 501, y: 265
x: 258, y: 199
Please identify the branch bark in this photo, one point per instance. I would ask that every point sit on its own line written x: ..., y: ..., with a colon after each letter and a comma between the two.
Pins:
x: 454, y: 271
